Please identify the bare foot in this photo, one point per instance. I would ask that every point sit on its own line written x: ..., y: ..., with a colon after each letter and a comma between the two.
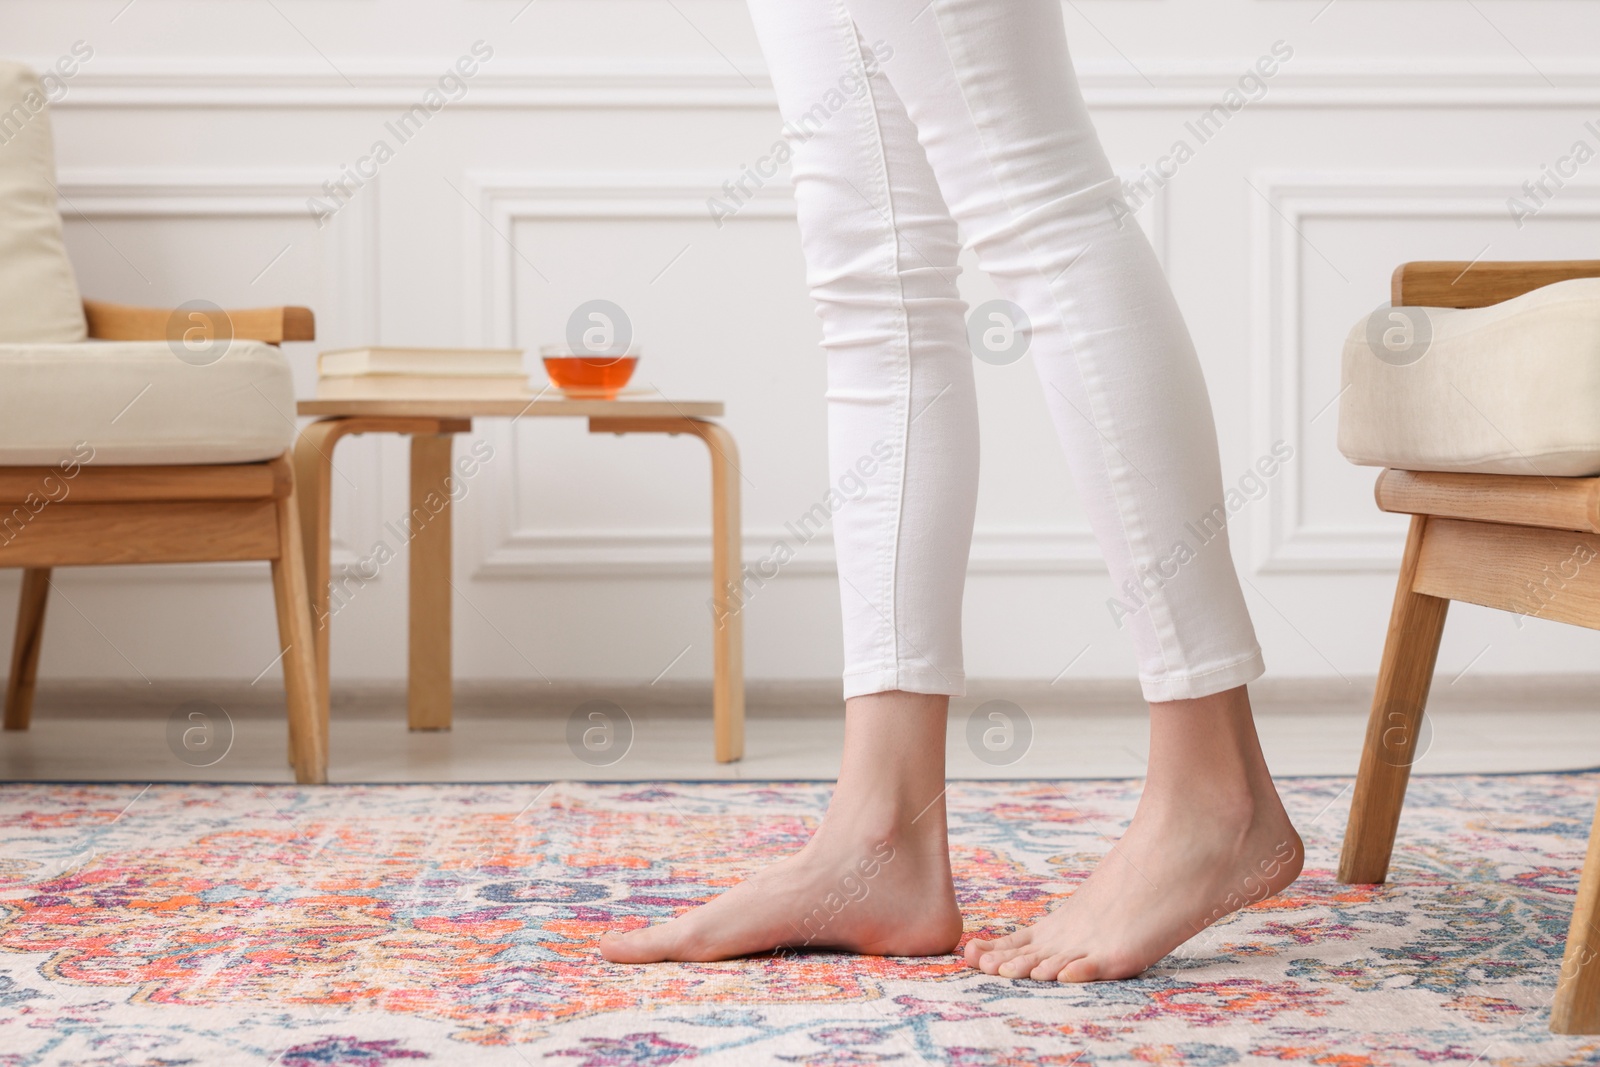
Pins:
x: 1210, y: 836
x: 890, y: 897
x: 1175, y: 871
x: 874, y: 879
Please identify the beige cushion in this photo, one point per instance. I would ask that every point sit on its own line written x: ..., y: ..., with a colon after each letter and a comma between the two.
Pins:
x: 38, y: 294
x: 137, y: 402
x: 1508, y: 389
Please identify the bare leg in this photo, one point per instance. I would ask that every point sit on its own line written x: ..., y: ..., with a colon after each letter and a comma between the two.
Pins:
x: 874, y: 878
x: 1209, y: 836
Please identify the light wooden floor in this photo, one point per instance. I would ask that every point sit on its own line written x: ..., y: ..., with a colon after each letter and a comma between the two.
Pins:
x: 125, y: 738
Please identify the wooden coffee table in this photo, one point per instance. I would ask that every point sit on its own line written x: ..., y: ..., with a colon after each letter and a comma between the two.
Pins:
x: 431, y: 425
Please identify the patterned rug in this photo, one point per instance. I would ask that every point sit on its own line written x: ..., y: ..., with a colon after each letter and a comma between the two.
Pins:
x: 370, y: 926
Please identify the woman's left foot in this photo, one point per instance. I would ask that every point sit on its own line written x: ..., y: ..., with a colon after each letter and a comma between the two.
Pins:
x: 879, y: 894
x: 874, y: 878
x: 1183, y: 864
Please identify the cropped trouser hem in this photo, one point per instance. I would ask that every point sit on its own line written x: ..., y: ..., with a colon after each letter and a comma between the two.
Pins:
x: 1203, y: 683
x: 1188, y: 686
x: 905, y: 680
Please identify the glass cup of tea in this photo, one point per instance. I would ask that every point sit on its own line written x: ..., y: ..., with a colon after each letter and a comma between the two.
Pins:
x: 588, y: 376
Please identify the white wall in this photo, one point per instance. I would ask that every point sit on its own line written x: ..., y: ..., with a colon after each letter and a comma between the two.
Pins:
x: 190, y: 142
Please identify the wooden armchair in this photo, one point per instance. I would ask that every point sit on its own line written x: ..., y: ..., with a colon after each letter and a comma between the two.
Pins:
x: 1479, y: 538
x: 168, y: 513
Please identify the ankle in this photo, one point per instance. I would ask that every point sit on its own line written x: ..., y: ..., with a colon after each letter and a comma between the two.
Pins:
x: 895, y: 816
x: 1201, y: 802
x: 894, y: 743
x: 891, y: 780
x: 1205, y: 752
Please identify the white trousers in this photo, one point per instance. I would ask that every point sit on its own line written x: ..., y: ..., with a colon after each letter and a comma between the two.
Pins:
x: 906, y: 120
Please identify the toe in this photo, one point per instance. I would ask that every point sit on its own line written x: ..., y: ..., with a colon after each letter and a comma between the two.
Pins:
x: 975, y: 950
x: 646, y: 945
x: 999, y: 952
x: 616, y: 948
x: 1047, y: 969
x: 1082, y: 969
x: 1102, y: 967
x: 1019, y: 966
x: 1009, y: 945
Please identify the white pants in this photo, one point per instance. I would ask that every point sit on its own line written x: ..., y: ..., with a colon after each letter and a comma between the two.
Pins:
x: 906, y: 119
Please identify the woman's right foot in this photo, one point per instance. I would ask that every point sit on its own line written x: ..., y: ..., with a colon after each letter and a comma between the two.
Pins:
x: 1182, y: 865
x: 1210, y: 836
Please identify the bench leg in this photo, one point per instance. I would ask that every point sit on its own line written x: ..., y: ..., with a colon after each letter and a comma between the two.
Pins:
x: 25, y: 647
x: 1409, y: 654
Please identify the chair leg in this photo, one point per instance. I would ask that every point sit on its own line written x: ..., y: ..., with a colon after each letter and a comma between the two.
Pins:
x: 1577, y: 1005
x: 25, y: 647
x: 313, y: 487
x: 1409, y: 654
x: 308, y: 718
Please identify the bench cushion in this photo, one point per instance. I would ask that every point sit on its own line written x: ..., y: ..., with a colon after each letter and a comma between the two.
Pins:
x: 135, y: 402
x: 38, y: 292
x: 1513, y: 388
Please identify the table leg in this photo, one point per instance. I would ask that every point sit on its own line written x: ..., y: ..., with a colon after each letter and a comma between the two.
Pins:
x: 727, y: 567
x: 727, y: 633
x: 313, y: 477
x: 428, y: 701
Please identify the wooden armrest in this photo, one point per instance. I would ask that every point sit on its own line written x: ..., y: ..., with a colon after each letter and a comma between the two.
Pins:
x: 123, y: 322
x: 1446, y: 284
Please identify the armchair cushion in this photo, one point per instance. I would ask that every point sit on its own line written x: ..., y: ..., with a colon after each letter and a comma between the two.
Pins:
x: 136, y: 402
x: 1512, y: 388
x: 38, y: 293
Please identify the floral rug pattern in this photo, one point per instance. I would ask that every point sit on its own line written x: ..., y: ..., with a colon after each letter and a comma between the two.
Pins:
x: 388, y: 925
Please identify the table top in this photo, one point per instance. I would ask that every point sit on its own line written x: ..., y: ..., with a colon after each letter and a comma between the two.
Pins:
x: 532, y: 407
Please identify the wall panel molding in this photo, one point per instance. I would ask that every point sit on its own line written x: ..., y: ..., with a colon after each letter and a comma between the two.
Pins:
x: 254, y: 82
x: 608, y: 552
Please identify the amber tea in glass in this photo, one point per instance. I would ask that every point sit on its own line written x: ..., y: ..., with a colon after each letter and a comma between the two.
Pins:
x: 588, y: 376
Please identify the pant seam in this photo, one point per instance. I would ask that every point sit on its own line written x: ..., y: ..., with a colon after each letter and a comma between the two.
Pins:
x: 905, y: 362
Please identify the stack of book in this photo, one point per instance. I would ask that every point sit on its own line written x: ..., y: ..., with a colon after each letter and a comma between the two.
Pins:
x: 420, y: 374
